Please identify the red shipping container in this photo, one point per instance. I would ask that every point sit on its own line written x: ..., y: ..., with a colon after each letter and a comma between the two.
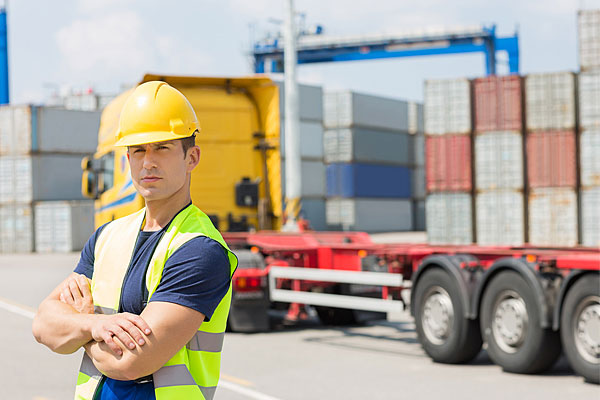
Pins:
x: 448, y: 163
x: 498, y: 103
x: 551, y: 160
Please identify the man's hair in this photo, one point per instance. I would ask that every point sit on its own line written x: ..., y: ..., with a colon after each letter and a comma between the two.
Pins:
x: 187, y: 143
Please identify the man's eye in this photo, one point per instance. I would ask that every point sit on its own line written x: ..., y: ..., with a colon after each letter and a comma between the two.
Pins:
x: 162, y: 147
x: 138, y: 151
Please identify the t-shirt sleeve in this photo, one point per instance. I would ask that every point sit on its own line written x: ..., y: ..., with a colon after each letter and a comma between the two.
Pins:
x: 85, y: 265
x: 197, y: 276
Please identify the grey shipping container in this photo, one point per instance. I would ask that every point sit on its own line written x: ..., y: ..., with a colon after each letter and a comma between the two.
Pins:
x: 553, y: 217
x: 589, y: 153
x: 449, y: 218
x: 313, y: 178
x: 63, y: 226
x: 419, y: 152
x: 16, y: 228
x: 590, y: 217
x: 313, y: 210
x: 589, y: 99
x: 588, y: 22
x: 419, y: 215
x: 416, y: 122
x: 447, y: 106
x: 370, y: 215
x: 32, y: 129
x: 500, y: 218
x: 40, y: 177
x: 368, y: 146
x: 550, y: 101
x: 499, y: 160
x: 418, y: 182
x: 311, y: 139
x: 346, y: 109
x: 310, y: 102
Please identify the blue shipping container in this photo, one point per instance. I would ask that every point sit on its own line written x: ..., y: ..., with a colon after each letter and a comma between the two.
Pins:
x: 368, y: 180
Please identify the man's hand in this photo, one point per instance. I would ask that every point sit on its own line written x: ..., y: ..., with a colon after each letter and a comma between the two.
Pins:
x: 76, y: 292
x: 127, y: 328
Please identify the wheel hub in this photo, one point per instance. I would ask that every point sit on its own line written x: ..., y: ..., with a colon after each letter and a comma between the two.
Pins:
x: 510, y: 322
x: 587, y: 329
x: 438, y: 315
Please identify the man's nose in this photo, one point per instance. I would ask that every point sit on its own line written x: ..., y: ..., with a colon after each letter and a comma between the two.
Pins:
x: 149, y: 161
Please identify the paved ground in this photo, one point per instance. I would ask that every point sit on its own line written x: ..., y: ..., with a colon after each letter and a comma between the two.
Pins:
x: 380, y: 361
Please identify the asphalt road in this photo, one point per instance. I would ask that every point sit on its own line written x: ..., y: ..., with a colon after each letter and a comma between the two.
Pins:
x: 381, y: 360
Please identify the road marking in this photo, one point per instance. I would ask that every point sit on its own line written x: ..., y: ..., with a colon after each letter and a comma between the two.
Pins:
x: 251, y: 394
x: 228, y: 382
x: 17, y: 308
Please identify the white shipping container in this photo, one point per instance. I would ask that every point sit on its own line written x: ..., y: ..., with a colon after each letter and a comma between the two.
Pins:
x: 590, y: 217
x: 499, y: 160
x: 346, y: 109
x: 550, y: 101
x: 27, y: 129
x: 553, y: 217
x: 40, y: 177
x: 16, y: 228
x: 589, y: 153
x: 500, y: 218
x: 312, y: 181
x: 311, y: 139
x: 63, y: 226
x: 415, y: 118
x: 589, y: 99
x: 310, y: 102
x: 589, y: 39
x: 447, y: 106
x: 370, y: 215
x: 449, y: 218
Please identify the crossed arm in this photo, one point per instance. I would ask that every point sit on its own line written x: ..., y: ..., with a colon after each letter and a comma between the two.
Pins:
x: 123, y: 346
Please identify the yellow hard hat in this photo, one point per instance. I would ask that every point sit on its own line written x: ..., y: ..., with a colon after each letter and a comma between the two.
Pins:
x: 155, y: 112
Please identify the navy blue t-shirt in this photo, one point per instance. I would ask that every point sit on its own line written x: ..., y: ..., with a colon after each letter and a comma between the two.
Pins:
x: 196, y: 275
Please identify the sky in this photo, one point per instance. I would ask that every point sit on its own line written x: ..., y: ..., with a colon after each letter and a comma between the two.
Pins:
x: 110, y: 44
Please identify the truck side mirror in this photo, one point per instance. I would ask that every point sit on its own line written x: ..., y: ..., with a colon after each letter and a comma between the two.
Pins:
x: 88, y: 179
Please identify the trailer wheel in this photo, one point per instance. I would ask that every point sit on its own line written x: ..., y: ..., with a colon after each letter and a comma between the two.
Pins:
x: 510, y: 324
x: 445, y: 333
x: 580, y: 328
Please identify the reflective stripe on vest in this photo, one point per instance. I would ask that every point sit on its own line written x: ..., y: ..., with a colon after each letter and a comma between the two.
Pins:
x: 193, y: 372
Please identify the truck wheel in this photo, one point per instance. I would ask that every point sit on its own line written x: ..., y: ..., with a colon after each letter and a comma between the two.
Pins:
x: 510, y: 324
x: 580, y: 328
x: 445, y: 333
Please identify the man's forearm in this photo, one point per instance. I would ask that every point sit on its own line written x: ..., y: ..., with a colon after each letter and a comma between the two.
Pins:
x: 60, y: 327
x: 108, y: 363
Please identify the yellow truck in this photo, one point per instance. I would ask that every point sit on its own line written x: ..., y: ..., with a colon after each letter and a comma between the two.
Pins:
x: 238, y: 180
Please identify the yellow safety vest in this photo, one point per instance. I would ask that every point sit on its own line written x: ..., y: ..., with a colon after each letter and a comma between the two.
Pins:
x: 193, y: 372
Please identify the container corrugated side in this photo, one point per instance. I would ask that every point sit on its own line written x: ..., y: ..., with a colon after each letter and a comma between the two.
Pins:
x: 368, y: 180
x: 497, y: 101
x: 67, y: 131
x: 419, y: 215
x: 448, y: 163
x: 589, y: 99
x: 499, y: 160
x: 589, y: 155
x: 416, y: 122
x: 500, y: 218
x: 312, y: 180
x: 553, y: 217
x: 588, y: 22
x: 550, y: 101
x: 590, y: 216
x: 63, y: 226
x: 370, y: 215
x: 311, y: 139
x: 16, y: 228
x: 346, y: 109
x: 313, y: 210
x: 418, y: 181
x: 551, y: 159
x: 419, y: 149
x: 310, y: 101
x: 16, y: 129
x: 447, y: 107
x: 368, y: 146
x: 449, y: 218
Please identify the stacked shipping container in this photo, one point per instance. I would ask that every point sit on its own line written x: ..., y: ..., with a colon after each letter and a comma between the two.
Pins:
x: 40, y: 160
x: 370, y: 150
x: 448, y: 161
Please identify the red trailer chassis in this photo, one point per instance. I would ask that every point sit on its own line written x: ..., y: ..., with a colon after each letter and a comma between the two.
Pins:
x: 527, y: 303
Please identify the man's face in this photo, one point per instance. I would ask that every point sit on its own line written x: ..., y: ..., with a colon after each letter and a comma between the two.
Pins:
x: 159, y: 170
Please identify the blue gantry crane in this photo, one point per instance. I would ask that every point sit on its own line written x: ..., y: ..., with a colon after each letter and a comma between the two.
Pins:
x: 318, y: 48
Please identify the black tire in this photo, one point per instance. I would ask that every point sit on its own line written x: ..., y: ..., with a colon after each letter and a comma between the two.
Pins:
x: 583, y: 295
x: 460, y: 341
x: 526, y: 348
x: 335, y: 316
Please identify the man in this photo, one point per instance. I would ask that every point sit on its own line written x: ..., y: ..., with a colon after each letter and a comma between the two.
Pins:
x: 160, y: 278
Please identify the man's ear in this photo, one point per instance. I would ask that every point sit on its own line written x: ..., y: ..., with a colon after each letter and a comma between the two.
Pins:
x: 194, y: 157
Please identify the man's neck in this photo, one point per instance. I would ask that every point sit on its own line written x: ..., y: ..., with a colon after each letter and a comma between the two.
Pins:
x: 160, y: 212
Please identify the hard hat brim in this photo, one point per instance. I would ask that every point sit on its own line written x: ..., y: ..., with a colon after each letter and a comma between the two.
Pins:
x: 137, y: 139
